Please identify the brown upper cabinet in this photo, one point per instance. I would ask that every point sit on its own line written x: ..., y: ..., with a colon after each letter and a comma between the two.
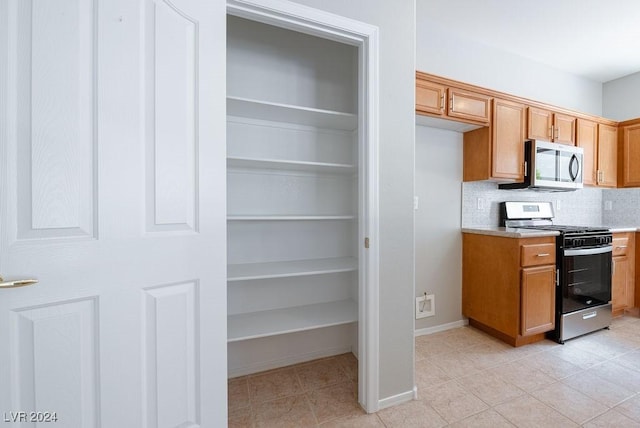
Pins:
x: 629, y: 154
x: 497, y: 152
x: 550, y: 126
x: 468, y: 105
x: 434, y: 99
x: 607, y: 175
x: 430, y: 97
x: 587, y: 138
x: 494, y: 150
x: 600, y: 150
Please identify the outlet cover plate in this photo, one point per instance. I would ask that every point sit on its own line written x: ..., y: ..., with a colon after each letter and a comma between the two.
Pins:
x: 425, y: 306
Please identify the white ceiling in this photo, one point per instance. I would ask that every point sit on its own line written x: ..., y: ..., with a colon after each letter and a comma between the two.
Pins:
x: 597, y: 39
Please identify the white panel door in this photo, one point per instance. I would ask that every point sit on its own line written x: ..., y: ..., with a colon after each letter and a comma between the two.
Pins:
x: 112, y: 195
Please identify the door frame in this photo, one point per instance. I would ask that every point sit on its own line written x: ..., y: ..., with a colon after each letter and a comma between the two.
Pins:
x: 296, y: 17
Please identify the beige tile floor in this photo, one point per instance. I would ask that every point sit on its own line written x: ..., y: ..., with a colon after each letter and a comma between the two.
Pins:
x: 465, y: 378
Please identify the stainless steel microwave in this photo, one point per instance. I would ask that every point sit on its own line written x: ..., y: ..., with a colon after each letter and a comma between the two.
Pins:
x: 550, y: 166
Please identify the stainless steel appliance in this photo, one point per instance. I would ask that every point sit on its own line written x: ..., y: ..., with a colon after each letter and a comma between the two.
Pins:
x: 583, y: 268
x: 550, y: 166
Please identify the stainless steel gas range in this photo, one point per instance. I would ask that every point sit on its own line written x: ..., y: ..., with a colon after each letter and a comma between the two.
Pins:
x: 583, y: 269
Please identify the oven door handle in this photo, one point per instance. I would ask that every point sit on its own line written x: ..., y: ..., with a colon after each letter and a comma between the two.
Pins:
x: 588, y: 251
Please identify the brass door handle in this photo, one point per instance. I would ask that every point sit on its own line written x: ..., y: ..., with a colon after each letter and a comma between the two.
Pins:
x: 16, y: 283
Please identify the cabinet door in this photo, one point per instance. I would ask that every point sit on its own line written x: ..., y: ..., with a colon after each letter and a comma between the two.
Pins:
x: 619, y: 283
x: 564, y: 129
x: 469, y: 105
x: 508, y: 135
x: 636, y: 272
x: 587, y: 138
x: 540, y: 124
x: 630, y: 156
x: 430, y: 97
x: 607, y: 156
x: 537, y: 300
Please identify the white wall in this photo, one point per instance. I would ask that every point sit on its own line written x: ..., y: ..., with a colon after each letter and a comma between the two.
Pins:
x: 396, y: 21
x: 439, y: 51
x: 438, y: 240
x: 620, y: 98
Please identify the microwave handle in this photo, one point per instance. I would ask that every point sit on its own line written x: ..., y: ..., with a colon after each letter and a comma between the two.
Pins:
x: 574, y: 161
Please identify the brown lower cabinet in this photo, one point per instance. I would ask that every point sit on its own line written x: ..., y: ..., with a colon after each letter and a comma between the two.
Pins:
x: 508, y: 286
x: 637, y: 276
x: 623, y: 279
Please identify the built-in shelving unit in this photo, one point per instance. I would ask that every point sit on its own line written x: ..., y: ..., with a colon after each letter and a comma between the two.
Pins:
x: 292, y: 195
x: 290, y: 320
x: 288, y: 217
x: 248, y: 271
x: 277, y: 112
x: 288, y: 165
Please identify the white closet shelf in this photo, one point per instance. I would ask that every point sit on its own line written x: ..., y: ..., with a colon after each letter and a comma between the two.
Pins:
x: 247, y: 271
x: 288, y: 217
x: 290, y: 165
x: 289, y: 320
x: 277, y: 112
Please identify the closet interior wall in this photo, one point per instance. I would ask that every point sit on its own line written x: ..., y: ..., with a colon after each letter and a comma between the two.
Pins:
x: 292, y: 197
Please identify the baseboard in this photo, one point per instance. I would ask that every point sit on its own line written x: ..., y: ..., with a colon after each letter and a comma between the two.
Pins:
x: 397, y: 399
x: 287, y: 361
x: 441, y: 327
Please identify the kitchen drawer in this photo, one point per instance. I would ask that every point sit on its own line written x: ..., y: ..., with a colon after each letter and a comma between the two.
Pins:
x: 538, y: 254
x: 620, y: 245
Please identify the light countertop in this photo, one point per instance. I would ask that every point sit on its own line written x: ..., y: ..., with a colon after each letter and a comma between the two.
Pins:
x: 512, y: 232
x: 509, y: 232
x: 620, y: 229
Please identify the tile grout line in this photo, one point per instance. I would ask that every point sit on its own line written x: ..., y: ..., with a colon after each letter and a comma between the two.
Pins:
x: 305, y: 392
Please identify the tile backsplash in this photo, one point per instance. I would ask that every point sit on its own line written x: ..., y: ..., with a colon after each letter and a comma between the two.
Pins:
x: 582, y: 207
x: 625, y: 207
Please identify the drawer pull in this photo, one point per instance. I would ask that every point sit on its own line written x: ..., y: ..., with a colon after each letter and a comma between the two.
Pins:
x: 543, y: 255
x: 621, y: 247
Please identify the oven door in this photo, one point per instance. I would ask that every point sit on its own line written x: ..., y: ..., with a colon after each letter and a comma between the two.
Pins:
x: 586, y: 278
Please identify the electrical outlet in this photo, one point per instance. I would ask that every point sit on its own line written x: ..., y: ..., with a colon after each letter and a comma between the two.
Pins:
x: 425, y: 306
x: 608, y: 205
x: 558, y: 205
x: 415, y: 202
x: 480, y: 204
